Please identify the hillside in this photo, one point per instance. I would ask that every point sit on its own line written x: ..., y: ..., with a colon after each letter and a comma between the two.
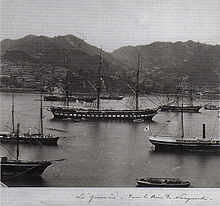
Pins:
x: 39, y: 61
x: 77, y: 58
x: 166, y: 60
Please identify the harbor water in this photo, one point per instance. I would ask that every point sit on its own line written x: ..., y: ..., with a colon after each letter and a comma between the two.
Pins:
x: 110, y: 153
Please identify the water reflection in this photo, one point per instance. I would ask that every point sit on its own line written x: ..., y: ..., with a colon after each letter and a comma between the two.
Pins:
x: 108, y: 154
x: 24, y: 181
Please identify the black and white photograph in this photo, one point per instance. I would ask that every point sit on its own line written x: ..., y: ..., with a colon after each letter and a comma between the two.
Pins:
x: 110, y: 102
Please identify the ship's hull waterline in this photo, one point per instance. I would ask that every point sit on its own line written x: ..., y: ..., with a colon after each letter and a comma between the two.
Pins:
x: 13, y: 168
x: 170, y: 145
x: 163, y: 185
x: 180, y: 109
x: 123, y: 115
x: 31, y: 141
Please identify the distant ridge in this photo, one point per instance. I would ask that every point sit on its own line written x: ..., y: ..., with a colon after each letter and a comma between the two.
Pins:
x: 186, y: 58
x: 162, y: 63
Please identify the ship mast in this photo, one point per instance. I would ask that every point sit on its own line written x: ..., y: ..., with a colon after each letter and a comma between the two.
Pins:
x: 182, y: 125
x: 13, y: 113
x: 41, y: 116
x: 66, y: 102
x: 137, y: 83
x: 178, y: 94
x: 168, y: 97
x: 98, y: 88
x: 203, y: 131
x: 17, y: 134
x: 67, y: 91
x: 191, y: 95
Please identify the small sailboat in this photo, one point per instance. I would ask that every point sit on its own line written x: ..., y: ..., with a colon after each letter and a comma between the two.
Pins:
x: 18, y: 168
x: 28, y: 138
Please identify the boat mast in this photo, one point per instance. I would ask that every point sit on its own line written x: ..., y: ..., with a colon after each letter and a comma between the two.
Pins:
x: 191, y: 95
x: 178, y: 94
x: 203, y: 131
x: 41, y: 115
x: 17, y: 134
x: 13, y: 113
x: 98, y: 88
x: 168, y: 96
x: 137, y: 83
x: 67, y: 91
x: 66, y: 102
x: 182, y: 125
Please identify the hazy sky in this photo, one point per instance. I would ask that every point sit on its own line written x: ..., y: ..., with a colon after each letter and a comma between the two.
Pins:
x: 114, y: 23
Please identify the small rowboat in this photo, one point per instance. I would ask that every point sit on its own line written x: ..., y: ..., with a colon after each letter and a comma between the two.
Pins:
x: 162, y: 182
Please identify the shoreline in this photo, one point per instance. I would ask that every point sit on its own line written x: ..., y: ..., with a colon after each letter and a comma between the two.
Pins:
x: 22, y: 90
x: 213, y: 96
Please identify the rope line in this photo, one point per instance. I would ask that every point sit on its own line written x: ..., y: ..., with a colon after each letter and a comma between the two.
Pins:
x: 151, y: 100
x: 22, y: 173
x: 167, y: 124
x: 8, y: 151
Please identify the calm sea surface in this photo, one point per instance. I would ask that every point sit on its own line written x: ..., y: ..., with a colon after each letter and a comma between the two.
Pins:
x: 110, y: 154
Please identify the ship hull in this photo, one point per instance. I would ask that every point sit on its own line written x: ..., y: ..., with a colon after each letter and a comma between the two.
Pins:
x: 29, y: 140
x: 126, y: 115
x: 180, y: 109
x: 144, y: 184
x: 71, y: 99
x: 211, y: 107
x: 162, y: 182
x: 190, y: 145
x: 112, y: 97
x: 20, y: 168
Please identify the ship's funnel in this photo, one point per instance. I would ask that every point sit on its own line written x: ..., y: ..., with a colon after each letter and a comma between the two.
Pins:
x: 203, y: 131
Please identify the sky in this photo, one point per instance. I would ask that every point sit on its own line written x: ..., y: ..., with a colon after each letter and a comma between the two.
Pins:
x: 114, y: 23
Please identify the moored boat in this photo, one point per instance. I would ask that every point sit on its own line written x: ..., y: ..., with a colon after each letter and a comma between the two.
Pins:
x: 190, y: 107
x: 15, y: 168
x: 33, y: 139
x: 211, y: 107
x: 174, y: 108
x: 61, y: 112
x: 71, y: 112
x: 19, y: 168
x: 28, y: 138
x: 170, y: 144
x: 70, y: 98
x: 180, y: 142
x: 113, y: 97
x: 162, y: 182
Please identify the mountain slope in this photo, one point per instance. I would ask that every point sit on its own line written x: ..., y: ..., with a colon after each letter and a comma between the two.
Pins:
x: 199, y: 61
x: 68, y: 52
x: 48, y: 60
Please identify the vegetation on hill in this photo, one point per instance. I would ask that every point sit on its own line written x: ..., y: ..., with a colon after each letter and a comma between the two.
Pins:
x: 39, y: 61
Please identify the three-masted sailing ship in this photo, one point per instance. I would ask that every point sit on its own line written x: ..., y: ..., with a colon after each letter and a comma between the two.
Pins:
x: 178, y: 108
x: 71, y: 112
x: 28, y: 138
